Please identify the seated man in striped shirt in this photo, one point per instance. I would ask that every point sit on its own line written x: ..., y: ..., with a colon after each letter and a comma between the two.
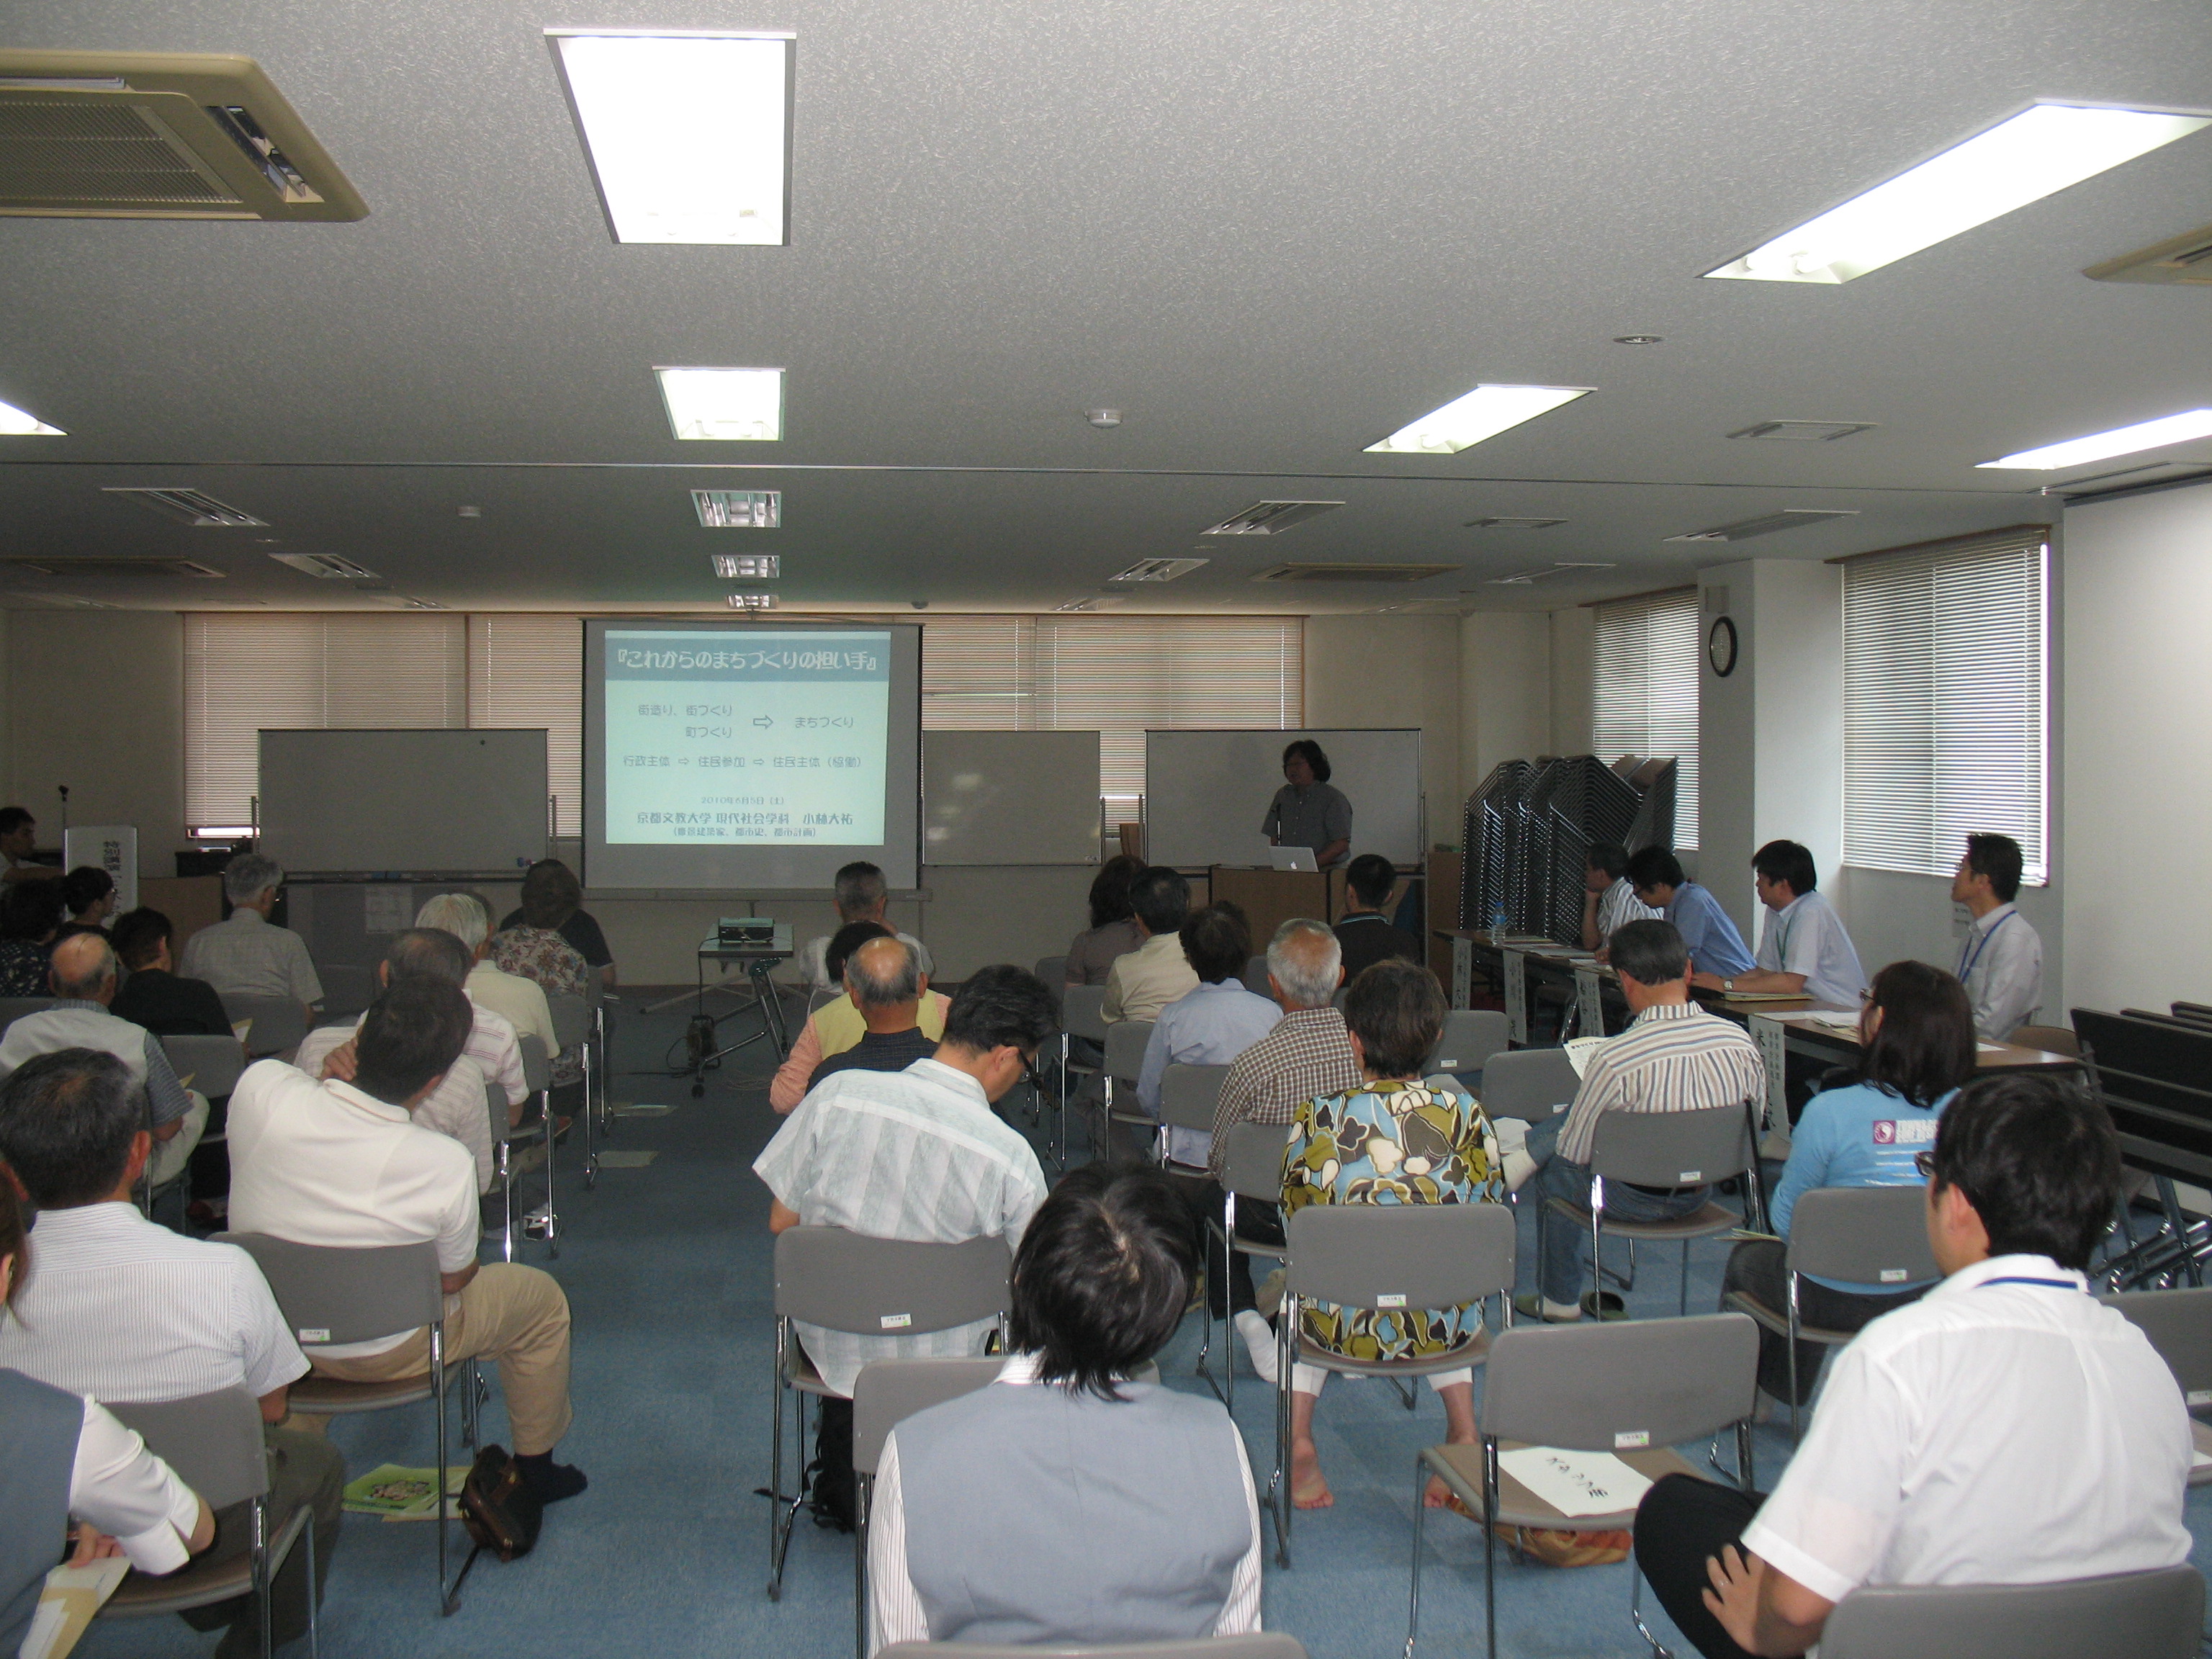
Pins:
x: 1674, y: 1057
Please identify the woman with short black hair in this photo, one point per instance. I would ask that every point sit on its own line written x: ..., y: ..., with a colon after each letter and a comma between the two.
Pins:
x: 1308, y: 811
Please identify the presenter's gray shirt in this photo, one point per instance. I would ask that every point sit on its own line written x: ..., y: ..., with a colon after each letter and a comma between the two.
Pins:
x: 1312, y: 816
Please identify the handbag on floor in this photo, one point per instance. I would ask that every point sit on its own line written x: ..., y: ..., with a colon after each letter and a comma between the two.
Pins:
x: 498, y: 1508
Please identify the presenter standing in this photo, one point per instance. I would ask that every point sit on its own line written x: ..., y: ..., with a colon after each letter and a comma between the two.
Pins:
x: 1306, y: 811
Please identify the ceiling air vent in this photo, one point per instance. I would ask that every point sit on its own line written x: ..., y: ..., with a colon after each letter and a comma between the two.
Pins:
x: 140, y: 134
x: 331, y: 567
x: 1512, y: 524
x: 1523, y: 578
x: 184, y: 506
x: 1270, y: 517
x: 1744, y: 529
x: 1804, y: 432
x: 1352, y: 573
x: 2186, y: 260
x: 1157, y: 570
x: 99, y: 567
x: 738, y: 509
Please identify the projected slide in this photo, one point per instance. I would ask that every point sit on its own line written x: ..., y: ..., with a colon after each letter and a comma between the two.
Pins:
x: 780, y: 737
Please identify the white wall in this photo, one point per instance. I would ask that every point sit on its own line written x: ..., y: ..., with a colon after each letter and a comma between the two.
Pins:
x: 1505, y: 690
x: 1393, y: 671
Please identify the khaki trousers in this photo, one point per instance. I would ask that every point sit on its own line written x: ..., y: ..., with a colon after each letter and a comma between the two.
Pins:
x: 509, y: 1312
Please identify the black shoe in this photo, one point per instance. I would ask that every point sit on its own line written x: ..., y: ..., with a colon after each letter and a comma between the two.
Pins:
x: 550, y: 1482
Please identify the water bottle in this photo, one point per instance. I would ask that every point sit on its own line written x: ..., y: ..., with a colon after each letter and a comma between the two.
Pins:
x: 1499, y: 922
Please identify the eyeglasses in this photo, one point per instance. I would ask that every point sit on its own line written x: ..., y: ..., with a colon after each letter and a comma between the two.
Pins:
x: 1866, y: 995
x: 1925, y: 1163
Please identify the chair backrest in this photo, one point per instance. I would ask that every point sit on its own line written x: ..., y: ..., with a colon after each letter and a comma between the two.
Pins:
x: 1528, y: 1083
x: 595, y: 984
x: 1266, y: 1644
x: 1336, y: 997
x: 2145, y: 1615
x: 1672, y: 1149
x: 572, y: 1018
x: 213, y: 1442
x: 1400, y: 1255
x: 1188, y: 1094
x: 536, y: 1064
x: 1620, y: 1387
x: 2179, y: 1326
x: 212, y: 1063
x: 1865, y: 1236
x: 279, y: 1023
x: 888, y: 1391
x: 2052, y: 1039
x: 13, y: 1008
x: 332, y: 1293
x: 1079, y: 1015
x: 495, y: 1113
x: 1053, y: 970
x: 1252, y: 1162
x: 847, y: 1281
x: 1125, y: 1047
x: 1470, y: 1037
x: 1256, y: 975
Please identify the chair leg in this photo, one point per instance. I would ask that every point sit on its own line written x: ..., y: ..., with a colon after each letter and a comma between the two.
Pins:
x: 775, y: 1522
x: 1744, y: 1469
x: 1413, y: 1580
x: 449, y: 1600
x: 1489, y: 1548
x: 1406, y: 1392
x: 591, y: 1151
x: 263, y: 1599
x: 506, y: 1200
x: 1636, y: 1609
x: 314, y: 1612
x: 1796, y: 1410
x: 552, y: 1220
x: 1285, y: 1346
x: 862, y: 1497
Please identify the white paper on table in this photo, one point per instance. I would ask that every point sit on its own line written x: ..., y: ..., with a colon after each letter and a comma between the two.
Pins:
x: 1579, y: 1050
x: 1576, y: 1483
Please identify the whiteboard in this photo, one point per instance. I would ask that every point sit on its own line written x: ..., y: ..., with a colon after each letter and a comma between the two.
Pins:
x: 443, y: 802
x: 1009, y: 798
x: 1206, y: 793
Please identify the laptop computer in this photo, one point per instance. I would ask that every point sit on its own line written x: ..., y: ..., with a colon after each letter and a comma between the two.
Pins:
x: 1293, y: 858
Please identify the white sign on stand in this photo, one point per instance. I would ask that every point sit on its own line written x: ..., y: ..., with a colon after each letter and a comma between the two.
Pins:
x: 110, y: 846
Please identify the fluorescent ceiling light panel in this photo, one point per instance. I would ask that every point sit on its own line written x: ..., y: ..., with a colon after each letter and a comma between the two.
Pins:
x: 748, y: 566
x: 330, y: 567
x: 752, y: 601
x: 1767, y: 524
x: 2034, y: 154
x: 2121, y: 440
x: 1482, y: 413
x: 1523, y: 578
x: 21, y: 423
x: 689, y: 133
x: 1500, y: 523
x: 1157, y: 570
x: 1269, y: 518
x: 738, y: 509
x: 192, y: 507
x: 723, y: 405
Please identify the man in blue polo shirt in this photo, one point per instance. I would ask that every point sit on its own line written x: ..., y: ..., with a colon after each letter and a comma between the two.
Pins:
x: 1715, y: 946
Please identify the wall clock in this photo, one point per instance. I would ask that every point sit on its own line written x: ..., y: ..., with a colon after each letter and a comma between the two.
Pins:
x: 1720, y: 647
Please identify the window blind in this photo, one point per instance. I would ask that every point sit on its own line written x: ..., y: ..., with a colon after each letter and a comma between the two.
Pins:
x: 979, y: 673
x: 1945, y: 694
x: 526, y: 670
x: 1645, y: 691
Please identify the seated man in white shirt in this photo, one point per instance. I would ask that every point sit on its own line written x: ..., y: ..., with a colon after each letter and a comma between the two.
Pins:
x: 245, y: 954
x: 343, y: 1163
x: 1609, y: 901
x: 2006, y: 1428
x: 1803, y: 949
x: 2001, y: 962
x: 128, y: 1313
x: 1156, y: 972
x: 862, y: 895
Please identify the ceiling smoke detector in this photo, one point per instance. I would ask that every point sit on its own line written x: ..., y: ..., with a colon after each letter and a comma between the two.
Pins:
x: 1270, y: 517
x: 1804, y: 431
x: 1352, y: 573
x: 738, y: 509
x: 190, y: 506
x: 1158, y: 570
x: 1524, y: 578
x: 1104, y: 419
x: 330, y: 567
x: 1502, y: 523
x: 748, y: 566
x: 1790, y: 518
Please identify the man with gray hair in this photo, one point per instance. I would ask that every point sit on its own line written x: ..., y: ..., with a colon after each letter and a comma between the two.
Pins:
x: 1307, y: 1054
x: 885, y: 980
x: 84, y: 978
x: 245, y: 955
x: 520, y: 1001
x: 862, y: 895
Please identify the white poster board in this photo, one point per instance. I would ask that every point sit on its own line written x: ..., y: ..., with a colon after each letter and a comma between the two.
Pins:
x: 1009, y: 798
x: 437, y: 802
x: 1206, y: 793
x: 110, y: 846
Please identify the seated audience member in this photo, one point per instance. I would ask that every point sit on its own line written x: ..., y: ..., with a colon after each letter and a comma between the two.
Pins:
x: 990, y: 1511
x: 129, y: 1313
x: 456, y: 1107
x: 1916, y: 1037
x: 1113, y: 932
x: 1211, y: 1025
x: 156, y: 996
x: 2001, y: 962
x: 919, y: 1155
x: 1391, y: 1139
x: 75, y: 1484
x: 19, y: 839
x: 1141, y: 984
x: 862, y: 895
x: 343, y: 1163
x: 83, y: 984
x: 518, y: 999
x: 1366, y: 934
x: 838, y: 1025
x: 89, y: 895
x: 884, y: 980
x: 2005, y: 1429
x: 1674, y: 1057
x: 30, y: 915
x: 550, y: 888
x: 1306, y: 1053
x: 245, y: 955
x: 1708, y: 933
x: 1802, y: 947
x: 1609, y: 901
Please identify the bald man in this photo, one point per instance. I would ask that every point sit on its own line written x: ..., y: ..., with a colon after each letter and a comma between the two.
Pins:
x: 83, y: 976
x: 885, y: 979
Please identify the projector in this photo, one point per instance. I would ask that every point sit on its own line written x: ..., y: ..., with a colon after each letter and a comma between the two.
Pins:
x: 745, y: 930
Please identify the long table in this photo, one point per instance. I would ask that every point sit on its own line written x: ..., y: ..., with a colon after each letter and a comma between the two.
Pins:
x: 1815, y: 1031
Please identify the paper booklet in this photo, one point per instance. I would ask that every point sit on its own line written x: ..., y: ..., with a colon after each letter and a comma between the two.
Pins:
x: 66, y: 1604
x: 1576, y: 1483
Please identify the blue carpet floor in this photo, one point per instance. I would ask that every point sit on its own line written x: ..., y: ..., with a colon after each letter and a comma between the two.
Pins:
x: 667, y: 1269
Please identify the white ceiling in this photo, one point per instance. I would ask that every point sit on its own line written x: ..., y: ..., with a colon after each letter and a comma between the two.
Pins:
x: 1270, y: 232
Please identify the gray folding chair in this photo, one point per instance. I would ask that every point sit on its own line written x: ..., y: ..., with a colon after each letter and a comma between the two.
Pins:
x: 1053, y: 970
x: 502, y: 1152
x: 848, y: 1282
x: 1660, y: 1149
x: 1528, y: 1084
x: 211, y: 1063
x: 1409, y: 1256
x: 2145, y: 1615
x: 330, y: 1294
x: 13, y: 1008
x: 1634, y: 1391
x: 1188, y: 1094
x: 1857, y: 1235
x: 887, y: 1393
x: 2052, y: 1039
x: 1125, y: 1057
x: 279, y: 1023
x: 595, y: 989
x: 1470, y: 1037
x: 572, y: 1029
x: 213, y: 1442
x: 1265, y: 1644
x: 538, y: 1077
x: 2179, y: 1326
x: 1251, y: 1167
x: 1255, y: 977
x: 1080, y: 1017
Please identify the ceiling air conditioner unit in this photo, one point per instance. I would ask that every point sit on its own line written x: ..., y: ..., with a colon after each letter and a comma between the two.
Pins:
x: 141, y: 135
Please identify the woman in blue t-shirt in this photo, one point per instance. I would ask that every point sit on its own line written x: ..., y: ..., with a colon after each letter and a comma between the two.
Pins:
x: 1917, y: 1036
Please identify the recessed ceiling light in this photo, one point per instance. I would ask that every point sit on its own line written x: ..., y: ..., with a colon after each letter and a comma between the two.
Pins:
x: 1269, y: 518
x: 1803, y: 431
x: 1638, y: 339
x: 687, y: 131
x: 472, y: 513
x: 727, y: 405
x: 1352, y: 573
x: 1512, y: 524
x: 738, y: 509
x: 2121, y: 440
x: 331, y: 567
x: 190, y: 506
x: 21, y: 423
x: 1482, y: 413
x: 409, y: 602
x: 752, y: 601
x: 1157, y: 570
x: 1790, y: 518
x: 1523, y: 578
x: 748, y: 566
x: 2023, y: 159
